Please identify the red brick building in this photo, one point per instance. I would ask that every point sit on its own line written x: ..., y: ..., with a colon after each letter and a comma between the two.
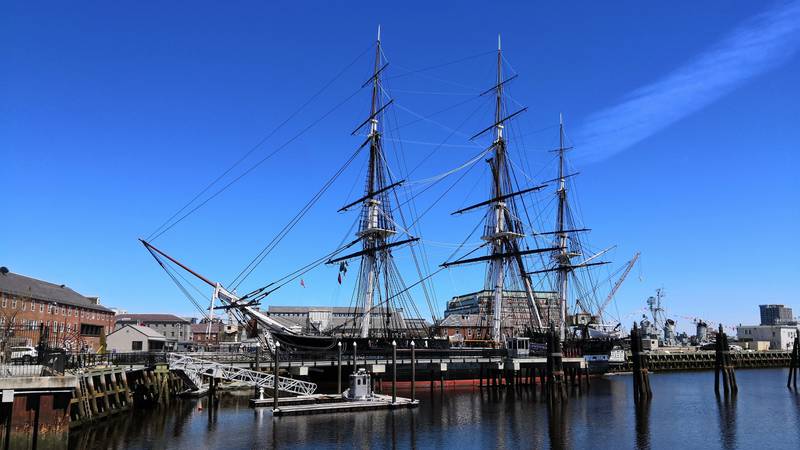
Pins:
x: 75, y: 322
x: 204, y: 335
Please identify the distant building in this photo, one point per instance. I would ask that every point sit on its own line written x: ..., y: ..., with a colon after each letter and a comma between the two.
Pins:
x: 780, y: 337
x: 176, y: 330
x: 135, y: 338
x: 206, y: 334
x: 466, y: 328
x: 776, y: 315
x: 476, y: 309
x: 342, y: 321
x: 75, y: 322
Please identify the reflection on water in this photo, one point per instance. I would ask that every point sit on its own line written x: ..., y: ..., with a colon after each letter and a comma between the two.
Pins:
x: 681, y: 413
x: 727, y: 421
x: 642, y: 415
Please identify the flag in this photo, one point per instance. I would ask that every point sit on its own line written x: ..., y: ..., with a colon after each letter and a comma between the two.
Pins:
x: 302, y: 283
x: 340, y: 278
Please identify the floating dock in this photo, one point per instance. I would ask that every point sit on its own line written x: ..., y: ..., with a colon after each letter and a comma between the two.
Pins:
x: 332, y: 404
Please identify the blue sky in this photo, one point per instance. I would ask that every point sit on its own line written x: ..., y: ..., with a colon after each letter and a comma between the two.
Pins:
x: 113, y: 115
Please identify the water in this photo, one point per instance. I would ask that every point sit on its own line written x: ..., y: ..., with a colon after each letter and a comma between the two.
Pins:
x: 684, y: 413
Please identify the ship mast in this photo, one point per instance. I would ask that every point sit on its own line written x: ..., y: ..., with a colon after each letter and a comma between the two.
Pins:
x: 497, y: 264
x: 372, y: 233
x: 376, y: 224
x: 563, y: 258
x: 503, y: 229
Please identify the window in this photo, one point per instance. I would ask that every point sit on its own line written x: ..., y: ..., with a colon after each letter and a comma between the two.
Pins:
x: 41, y: 307
x: 136, y: 345
x: 91, y: 330
x: 173, y: 335
x: 64, y: 311
x: 50, y: 308
x: 14, y: 304
x: 5, y: 302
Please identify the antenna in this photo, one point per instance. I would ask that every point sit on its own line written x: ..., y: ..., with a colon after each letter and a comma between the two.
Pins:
x: 498, y: 42
x: 379, y: 32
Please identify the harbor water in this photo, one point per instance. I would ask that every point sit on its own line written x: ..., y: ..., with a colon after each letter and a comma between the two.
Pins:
x: 684, y: 413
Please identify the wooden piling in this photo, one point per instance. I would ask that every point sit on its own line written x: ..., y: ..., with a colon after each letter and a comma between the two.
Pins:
x: 794, y: 364
x: 641, y: 376
x: 723, y: 366
x: 556, y: 386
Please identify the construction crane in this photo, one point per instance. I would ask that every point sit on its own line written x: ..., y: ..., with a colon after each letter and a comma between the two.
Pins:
x: 614, y: 289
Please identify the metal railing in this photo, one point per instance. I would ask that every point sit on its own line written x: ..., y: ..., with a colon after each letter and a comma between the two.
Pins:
x: 196, y: 368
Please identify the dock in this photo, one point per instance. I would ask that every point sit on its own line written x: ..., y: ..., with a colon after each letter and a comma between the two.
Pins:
x: 342, y: 405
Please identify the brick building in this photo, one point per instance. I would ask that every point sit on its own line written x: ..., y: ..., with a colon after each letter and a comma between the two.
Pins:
x: 75, y: 322
x: 205, y: 334
x: 470, y: 315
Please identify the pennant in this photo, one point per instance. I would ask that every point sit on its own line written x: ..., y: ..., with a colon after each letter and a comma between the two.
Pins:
x: 340, y: 278
x: 302, y: 283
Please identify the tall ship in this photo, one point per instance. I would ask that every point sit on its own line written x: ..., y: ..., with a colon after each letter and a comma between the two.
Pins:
x: 535, y: 279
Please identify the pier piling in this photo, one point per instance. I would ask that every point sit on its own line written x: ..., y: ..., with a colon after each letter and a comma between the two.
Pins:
x: 394, y: 372
x: 413, y: 372
x: 339, y: 369
x: 794, y: 364
x: 556, y: 385
x: 276, y: 359
x: 723, y: 365
x: 641, y: 375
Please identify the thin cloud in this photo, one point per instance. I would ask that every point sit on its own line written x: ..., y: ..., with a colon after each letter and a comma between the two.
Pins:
x: 761, y: 44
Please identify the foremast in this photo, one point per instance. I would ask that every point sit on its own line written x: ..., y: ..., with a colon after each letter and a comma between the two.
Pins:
x: 377, y: 280
x: 372, y: 233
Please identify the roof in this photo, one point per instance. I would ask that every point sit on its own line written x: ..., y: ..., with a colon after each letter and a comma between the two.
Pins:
x: 14, y: 283
x: 150, y: 318
x: 148, y: 332
x: 333, y: 309
x: 201, y: 328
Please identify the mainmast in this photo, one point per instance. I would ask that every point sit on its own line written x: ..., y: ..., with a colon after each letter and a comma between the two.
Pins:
x: 503, y: 229
x: 563, y: 257
x: 497, y: 264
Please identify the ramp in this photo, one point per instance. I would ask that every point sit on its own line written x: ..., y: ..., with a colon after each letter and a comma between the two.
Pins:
x: 195, y: 368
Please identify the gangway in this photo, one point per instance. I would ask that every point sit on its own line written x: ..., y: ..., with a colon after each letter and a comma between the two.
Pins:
x: 196, y: 368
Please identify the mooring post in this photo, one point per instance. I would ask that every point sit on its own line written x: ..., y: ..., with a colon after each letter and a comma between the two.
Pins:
x: 257, y: 367
x: 413, y: 372
x: 339, y: 369
x: 275, y: 383
x: 394, y: 372
x: 729, y: 369
x: 794, y: 362
x: 355, y: 357
x: 641, y: 379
